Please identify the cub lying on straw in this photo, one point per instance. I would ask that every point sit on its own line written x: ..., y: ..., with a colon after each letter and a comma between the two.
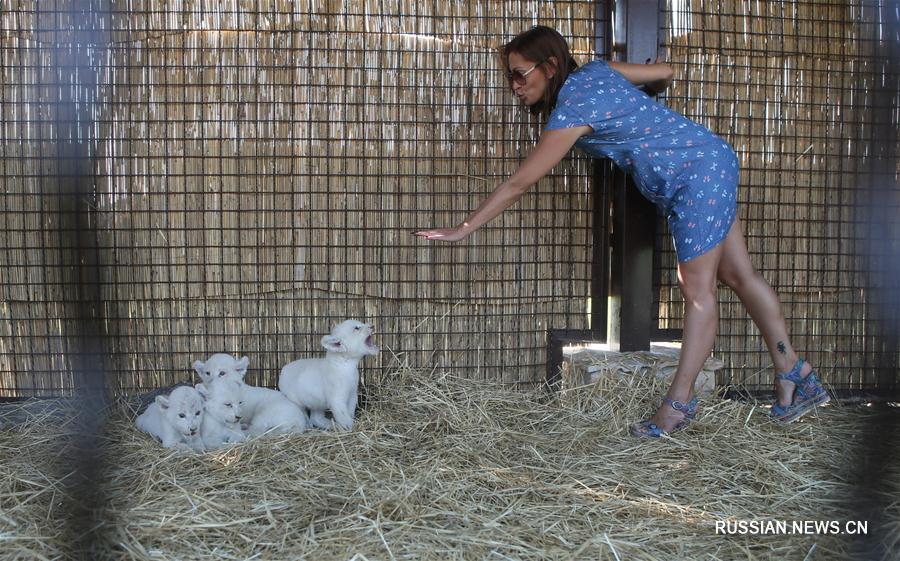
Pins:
x: 222, y: 404
x: 263, y: 410
x: 175, y: 419
x: 331, y: 382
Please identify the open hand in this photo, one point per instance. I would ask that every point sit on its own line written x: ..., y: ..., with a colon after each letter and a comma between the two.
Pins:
x: 442, y: 234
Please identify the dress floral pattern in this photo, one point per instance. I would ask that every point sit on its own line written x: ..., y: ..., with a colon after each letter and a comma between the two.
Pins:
x: 688, y: 172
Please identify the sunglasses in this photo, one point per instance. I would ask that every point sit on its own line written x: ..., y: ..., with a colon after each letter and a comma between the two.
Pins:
x: 519, y: 77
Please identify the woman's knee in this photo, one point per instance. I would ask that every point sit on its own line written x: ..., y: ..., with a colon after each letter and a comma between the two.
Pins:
x: 697, y: 288
x: 738, y: 278
x: 730, y: 276
x: 697, y: 277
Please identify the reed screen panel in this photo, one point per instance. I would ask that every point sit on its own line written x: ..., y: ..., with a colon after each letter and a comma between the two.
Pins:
x: 792, y: 85
x: 254, y: 171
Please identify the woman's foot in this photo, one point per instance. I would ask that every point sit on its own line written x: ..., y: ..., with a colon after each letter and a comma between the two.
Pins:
x: 671, y: 417
x: 799, y: 392
x: 784, y: 387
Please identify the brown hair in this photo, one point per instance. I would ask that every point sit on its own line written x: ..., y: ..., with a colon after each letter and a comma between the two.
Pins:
x: 539, y: 44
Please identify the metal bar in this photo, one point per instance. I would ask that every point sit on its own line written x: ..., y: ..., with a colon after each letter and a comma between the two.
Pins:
x: 600, y: 181
x: 600, y: 251
x: 634, y: 217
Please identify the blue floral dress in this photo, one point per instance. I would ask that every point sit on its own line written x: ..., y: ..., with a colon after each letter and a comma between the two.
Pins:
x: 687, y: 171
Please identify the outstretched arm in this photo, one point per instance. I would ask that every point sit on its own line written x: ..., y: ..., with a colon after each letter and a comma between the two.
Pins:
x: 549, y: 150
x: 656, y: 77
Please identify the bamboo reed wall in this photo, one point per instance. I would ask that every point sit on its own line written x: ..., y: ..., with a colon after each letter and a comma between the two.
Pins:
x: 791, y: 85
x: 257, y: 168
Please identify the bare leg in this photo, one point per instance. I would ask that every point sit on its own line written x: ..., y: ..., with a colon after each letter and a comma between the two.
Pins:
x: 697, y: 279
x: 762, y: 304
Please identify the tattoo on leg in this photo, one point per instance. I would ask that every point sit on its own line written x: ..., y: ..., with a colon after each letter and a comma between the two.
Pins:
x: 781, y: 348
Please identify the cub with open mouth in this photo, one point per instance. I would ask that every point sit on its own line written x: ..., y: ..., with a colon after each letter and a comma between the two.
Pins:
x: 332, y: 382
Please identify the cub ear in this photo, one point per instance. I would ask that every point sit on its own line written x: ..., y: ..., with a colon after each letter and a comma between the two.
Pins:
x: 332, y: 343
x: 163, y: 401
x: 203, y: 390
x: 242, y: 366
x: 200, y: 369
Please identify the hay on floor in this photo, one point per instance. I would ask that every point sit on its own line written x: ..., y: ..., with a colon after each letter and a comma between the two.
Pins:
x: 444, y: 468
x: 34, y: 436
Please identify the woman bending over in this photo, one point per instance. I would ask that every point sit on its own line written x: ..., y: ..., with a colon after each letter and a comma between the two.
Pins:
x: 687, y: 171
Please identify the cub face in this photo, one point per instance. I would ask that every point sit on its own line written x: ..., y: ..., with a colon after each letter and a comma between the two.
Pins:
x: 352, y: 338
x: 183, y: 409
x: 222, y: 400
x: 221, y: 366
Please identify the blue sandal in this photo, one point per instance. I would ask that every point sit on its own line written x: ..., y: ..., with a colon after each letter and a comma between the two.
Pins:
x: 808, y: 393
x: 648, y: 429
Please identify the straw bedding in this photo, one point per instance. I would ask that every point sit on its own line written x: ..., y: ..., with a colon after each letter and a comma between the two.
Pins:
x: 445, y: 468
x: 33, y: 477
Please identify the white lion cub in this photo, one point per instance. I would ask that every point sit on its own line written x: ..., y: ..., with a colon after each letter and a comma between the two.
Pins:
x: 222, y: 404
x: 331, y: 382
x: 263, y: 409
x: 273, y: 412
x: 221, y: 365
x: 175, y: 419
